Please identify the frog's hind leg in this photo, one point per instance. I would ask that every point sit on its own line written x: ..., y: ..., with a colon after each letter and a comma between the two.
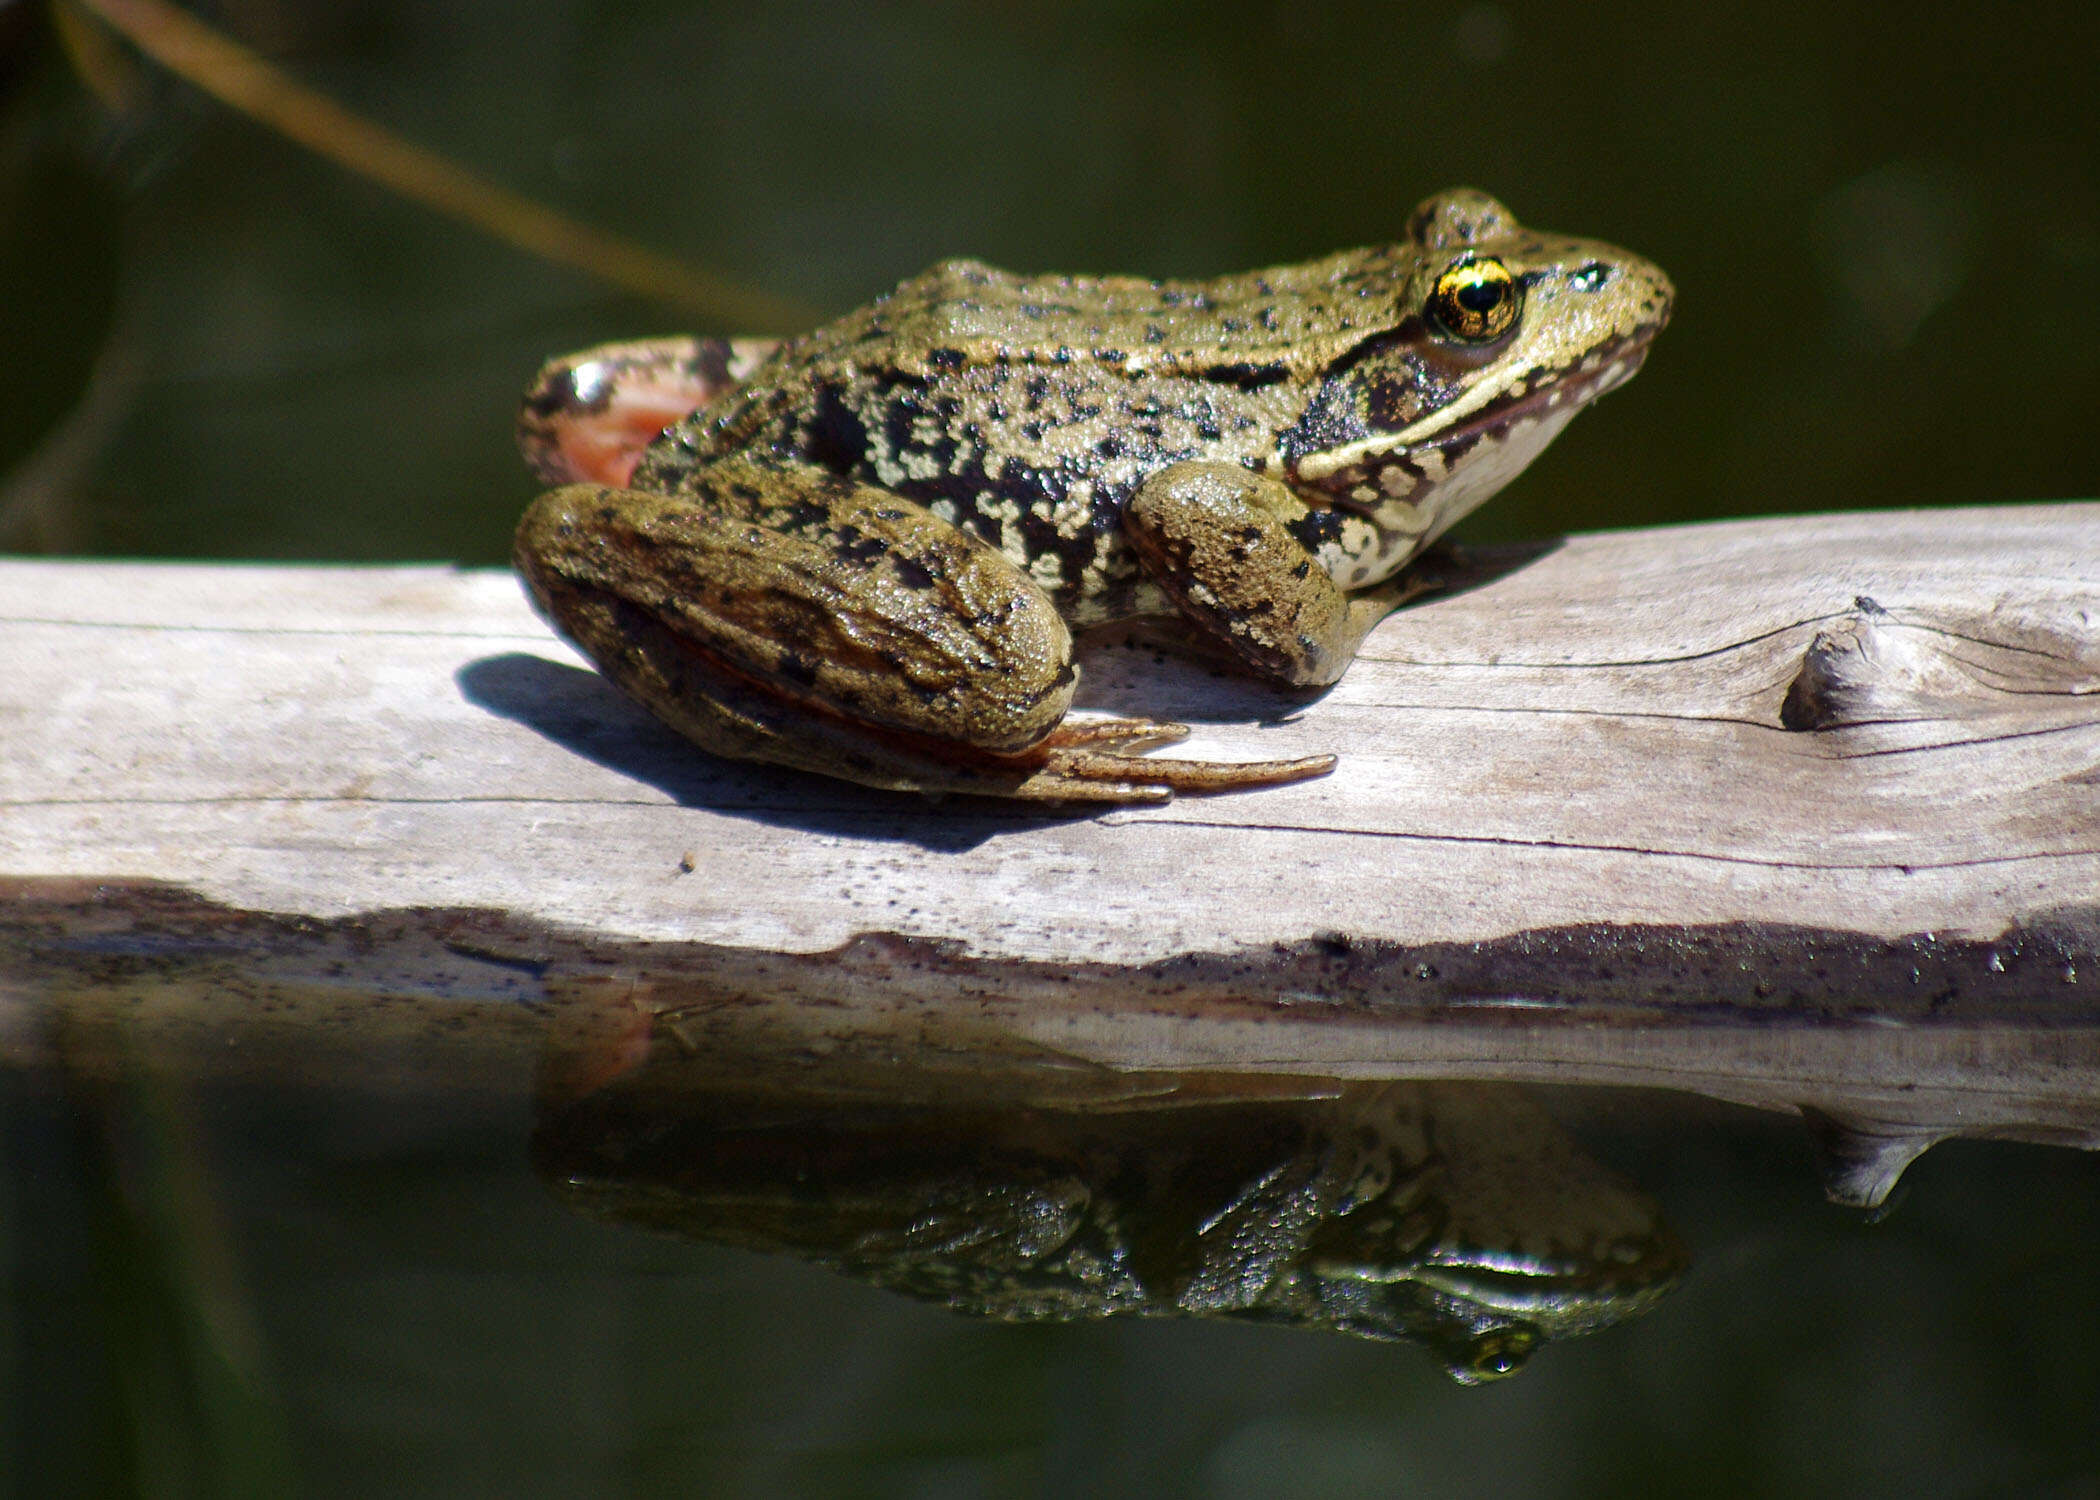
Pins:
x: 587, y: 417
x: 792, y: 616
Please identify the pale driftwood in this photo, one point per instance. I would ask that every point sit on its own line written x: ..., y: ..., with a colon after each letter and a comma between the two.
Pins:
x: 1795, y: 811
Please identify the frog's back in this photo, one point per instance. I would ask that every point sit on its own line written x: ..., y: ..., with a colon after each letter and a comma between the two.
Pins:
x: 1028, y: 409
x: 1285, y: 320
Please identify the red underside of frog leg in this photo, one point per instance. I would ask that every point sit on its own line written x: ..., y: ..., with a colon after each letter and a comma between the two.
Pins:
x: 588, y: 416
x: 603, y: 447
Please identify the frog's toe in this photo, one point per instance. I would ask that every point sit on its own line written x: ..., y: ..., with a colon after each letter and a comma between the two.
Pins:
x: 1059, y: 783
x: 1092, y: 762
x: 1114, y: 734
x: 1195, y: 778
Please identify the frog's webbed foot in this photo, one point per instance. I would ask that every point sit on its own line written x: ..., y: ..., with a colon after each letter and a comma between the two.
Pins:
x: 1094, y: 762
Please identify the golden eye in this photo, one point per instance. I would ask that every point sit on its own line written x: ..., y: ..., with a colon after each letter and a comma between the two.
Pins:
x: 1475, y: 300
x: 1498, y: 1353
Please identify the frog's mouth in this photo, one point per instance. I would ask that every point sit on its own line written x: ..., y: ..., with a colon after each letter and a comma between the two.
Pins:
x: 1442, y: 468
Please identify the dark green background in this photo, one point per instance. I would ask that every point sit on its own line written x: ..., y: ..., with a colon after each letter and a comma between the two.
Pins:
x: 1884, y: 224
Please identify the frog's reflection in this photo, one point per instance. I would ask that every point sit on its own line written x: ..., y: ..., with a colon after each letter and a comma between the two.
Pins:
x: 1460, y: 1216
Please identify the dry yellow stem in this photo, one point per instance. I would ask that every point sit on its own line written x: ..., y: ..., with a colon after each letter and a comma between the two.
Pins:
x: 247, y: 82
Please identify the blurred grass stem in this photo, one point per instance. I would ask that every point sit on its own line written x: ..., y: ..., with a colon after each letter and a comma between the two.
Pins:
x: 243, y: 80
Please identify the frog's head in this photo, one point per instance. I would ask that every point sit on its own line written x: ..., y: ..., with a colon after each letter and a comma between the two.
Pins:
x: 1483, y: 1313
x: 1499, y: 335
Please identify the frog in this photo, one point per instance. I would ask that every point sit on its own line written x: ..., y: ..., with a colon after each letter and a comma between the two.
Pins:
x: 865, y: 551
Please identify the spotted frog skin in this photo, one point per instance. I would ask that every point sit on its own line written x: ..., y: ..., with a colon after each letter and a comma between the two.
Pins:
x: 1460, y: 1216
x: 862, y: 552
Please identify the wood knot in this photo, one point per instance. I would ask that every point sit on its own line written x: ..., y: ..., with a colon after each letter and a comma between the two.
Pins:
x: 1873, y: 668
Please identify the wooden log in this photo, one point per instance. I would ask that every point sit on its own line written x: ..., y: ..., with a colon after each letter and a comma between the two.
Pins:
x: 1802, y: 812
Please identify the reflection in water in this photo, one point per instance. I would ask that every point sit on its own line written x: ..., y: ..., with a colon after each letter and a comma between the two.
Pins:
x: 1459, y: 1216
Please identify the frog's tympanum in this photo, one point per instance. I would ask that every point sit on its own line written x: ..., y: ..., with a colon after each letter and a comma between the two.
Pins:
x: 1457, y: 1216
x: 862, y: 551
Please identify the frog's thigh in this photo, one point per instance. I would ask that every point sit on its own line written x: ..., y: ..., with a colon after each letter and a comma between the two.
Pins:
x: 803, y: 619
x: 1216, y: 537
x: 588, y: 416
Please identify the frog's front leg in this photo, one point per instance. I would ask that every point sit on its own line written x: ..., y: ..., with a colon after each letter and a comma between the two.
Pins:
x: 1218, y: 538
x: 791, y: 616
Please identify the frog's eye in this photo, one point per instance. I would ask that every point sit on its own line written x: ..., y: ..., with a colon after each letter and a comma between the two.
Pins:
x: 1475, y: 301
x: 1496, y: 1354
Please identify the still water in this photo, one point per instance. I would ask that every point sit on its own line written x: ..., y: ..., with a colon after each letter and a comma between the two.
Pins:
x: 483, y: 1278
